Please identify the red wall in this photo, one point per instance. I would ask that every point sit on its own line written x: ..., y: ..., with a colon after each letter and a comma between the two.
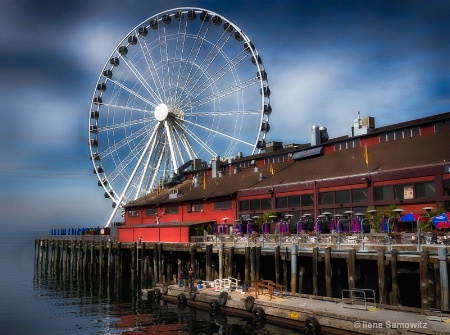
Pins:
x: 177, y: 234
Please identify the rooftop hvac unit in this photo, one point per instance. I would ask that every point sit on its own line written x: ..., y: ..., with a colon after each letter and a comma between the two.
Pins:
x: 368, y: 122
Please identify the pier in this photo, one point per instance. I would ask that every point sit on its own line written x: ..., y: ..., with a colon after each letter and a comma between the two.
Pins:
x: 314, y: 273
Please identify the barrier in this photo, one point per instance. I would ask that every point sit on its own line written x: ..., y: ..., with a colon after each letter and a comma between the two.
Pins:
x: 358, y: 298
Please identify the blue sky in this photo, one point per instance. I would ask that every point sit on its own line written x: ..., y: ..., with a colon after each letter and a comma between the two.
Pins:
x: 326, y: 60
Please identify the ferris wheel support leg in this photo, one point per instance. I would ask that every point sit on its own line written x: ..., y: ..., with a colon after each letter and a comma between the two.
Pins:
x: 119, y: 202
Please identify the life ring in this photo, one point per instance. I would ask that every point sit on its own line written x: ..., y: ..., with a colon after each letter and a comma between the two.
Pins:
x: 259, y: 314
x: 165, y: 289
x: 181, y: 299
x: 312, y: 326
x: 214, y: 306
x: 248, y: 303
x: 192, y: 293
x: 157, y: 293
x: 223, y: 297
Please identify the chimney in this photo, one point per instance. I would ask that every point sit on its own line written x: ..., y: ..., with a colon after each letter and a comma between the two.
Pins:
x: 318, y: 135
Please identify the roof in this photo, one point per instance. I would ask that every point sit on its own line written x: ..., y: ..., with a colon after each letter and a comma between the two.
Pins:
x: 392, y: 155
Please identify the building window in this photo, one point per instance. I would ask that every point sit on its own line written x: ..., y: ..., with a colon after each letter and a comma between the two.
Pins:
x: 225, y: 204
x: 360, y: 195
x: 244, y: 205
x: 384, y: 193
x: 197, y: 207
x: 307, y: 200
x: 255, y: 204
x: 342, y: 197
x: 151, y: 211
x: 425, y: 190
x: 326, y: 198
x: 294, y: 201
x: 447, y: 187
x: 281, y: 202
x: 133, y: 214
x: 266, y: 203
x: 172, y: 210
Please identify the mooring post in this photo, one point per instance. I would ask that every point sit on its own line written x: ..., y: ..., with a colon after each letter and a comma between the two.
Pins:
x: 328, y: 272
x: 277, y: 264
x: 258, y: 263
x: 247, y: 264
x: 443, y: 267
x: 351, y: 265
x: 381, y: 277
x: 423, y: 268
x: 315, y: 256
x: 294, y: 274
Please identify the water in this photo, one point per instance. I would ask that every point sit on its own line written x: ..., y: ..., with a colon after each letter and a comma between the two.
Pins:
x: 38, y: 302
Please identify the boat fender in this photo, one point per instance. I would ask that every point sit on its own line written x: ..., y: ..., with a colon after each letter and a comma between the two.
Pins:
x: 157, y: 293
x: 223, y: 297
x: 312, y: 326
x: 248, y: 303
x: 181, y: 299
x: 214, y: 306
x: 165, y: 289
x: 192, y: 293
x: 259, y: 314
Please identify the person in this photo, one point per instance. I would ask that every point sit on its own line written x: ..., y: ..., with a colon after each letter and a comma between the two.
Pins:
x: 180, y: 278
x: 191, y: 278
x: 157, y: 220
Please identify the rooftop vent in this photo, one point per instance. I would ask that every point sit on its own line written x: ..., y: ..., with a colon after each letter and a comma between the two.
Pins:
x: 318, y: 135
x: 362, y: 126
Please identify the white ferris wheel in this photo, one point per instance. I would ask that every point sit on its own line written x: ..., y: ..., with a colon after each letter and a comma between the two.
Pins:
x: 184, y: 84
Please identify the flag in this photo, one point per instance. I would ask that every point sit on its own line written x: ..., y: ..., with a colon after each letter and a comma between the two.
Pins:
x: 272, y: 171
x: 366, y: 154
x: 204, y: 181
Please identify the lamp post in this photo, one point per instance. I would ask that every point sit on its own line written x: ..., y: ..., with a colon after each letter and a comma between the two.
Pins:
x: 338, y: 223
x: 372, y: 213
x: 419, y: 229
x: 398, y: 211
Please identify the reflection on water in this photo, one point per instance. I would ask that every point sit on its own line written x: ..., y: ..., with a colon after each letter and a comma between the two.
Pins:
x: 91, y: 305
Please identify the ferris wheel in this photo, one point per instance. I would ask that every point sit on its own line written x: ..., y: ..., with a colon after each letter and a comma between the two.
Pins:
x: 184, y: 84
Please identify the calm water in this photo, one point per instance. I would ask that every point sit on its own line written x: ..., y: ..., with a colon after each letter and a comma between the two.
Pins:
x: 36, y: 302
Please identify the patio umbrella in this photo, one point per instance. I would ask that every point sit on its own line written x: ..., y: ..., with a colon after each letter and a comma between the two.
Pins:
x: 299, y: 225
x: 356, y: 225
x: 266, y: 227
x: 332, y: 225
x: 441, y: 221
x: 317, y: 228
x: 410, y: 217
x: 384, y: 226
x: 215, y: 229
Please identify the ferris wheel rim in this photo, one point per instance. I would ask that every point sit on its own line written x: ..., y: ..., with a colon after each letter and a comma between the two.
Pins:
x: 262, y: 82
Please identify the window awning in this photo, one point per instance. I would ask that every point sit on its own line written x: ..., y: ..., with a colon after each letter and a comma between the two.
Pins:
x: 317, y: 151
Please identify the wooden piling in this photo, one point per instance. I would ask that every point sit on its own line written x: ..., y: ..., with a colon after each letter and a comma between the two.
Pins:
x: 252, y: 263
x: 381, y: 277
x: 294, y: 274
x: 394, y: 289
x: 301, y: 279
x: 423, y: 273
x: 277, y: 264
x: 351, y: 266
x: 247, y: 264
x: 208, y: 262
x: 328, y: 273
x: 443, y: 267
x: 230, y: 264
x: 315, y: 256
x: 258, y: 263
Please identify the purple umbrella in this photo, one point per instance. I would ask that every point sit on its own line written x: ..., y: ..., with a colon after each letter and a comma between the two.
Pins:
x: 299, y: 225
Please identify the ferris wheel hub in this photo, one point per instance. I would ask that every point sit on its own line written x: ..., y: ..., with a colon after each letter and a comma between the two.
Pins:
x: 161, y: 112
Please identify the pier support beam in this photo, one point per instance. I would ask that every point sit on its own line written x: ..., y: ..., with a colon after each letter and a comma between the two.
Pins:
x: 394, y: 292
x: 328, y: 273
x: 208, y: 262
x: 423, y: 267
x: 381, y: 277
x: 351, y: 267
x: 220, y: 261
x: 277, y: 264
x: 252, y: 263
x: 294, y: 273
x: 230, y: 264
x: 315, y: 256
x: 443, y: 267
x: 247, y: 264
x: 258, y: 263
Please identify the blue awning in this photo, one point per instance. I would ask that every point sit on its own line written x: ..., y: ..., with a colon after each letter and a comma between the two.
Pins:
x: 317, y: 151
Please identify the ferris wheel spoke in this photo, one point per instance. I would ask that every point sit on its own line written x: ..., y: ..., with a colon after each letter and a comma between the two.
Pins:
x: 199, y: 141
x: 184, y: 140
x: 116, y: 146
x: 164, y: 56
x: 221, y: 94
x: 207, y: 61
x: 170, y: 139
x: 179, y: 51
x: 126, y: 124
x: 214, y: 78
x: 128, y: 108
x: 193, y: 54
x: 143, y: 82
x: 153, y: 140
x: 224, y: 113
x: 218, y: 132
x: 152, y: 68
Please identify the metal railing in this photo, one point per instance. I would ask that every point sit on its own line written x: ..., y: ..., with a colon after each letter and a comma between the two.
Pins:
x: 358, y: 298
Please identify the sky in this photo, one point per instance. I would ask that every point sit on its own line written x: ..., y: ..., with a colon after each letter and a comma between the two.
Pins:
x: 325, y: 60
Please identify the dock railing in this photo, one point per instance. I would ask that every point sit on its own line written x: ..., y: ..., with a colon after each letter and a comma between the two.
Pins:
x: 359, y: 298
